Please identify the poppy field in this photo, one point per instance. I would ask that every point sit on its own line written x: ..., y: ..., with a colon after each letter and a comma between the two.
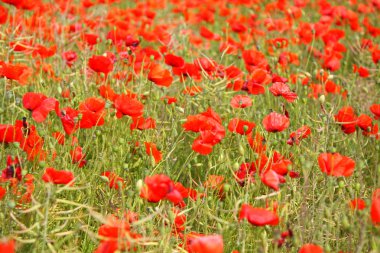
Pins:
x: 200, y: 126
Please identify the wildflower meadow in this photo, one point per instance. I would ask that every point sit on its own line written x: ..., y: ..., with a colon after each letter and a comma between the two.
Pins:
x: 199, y: 126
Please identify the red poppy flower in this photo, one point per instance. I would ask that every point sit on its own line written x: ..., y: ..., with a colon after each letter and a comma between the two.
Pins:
x: 117, y: 235
x: 2, y: 192
x: 208, y: 124
x: 207, y: 34
x: 7, y: 246
x: 160, y: 187
x: 258, y: 216
x: 272, y: 179
x: 11, y: 133
x: 90, y: 39
x: 310, y: 248
x: 241, y: 101
x: 126, y: 105
x: 114, y: 228
x: 257, y: 142
x: 332, y: 61
x: 336, y: 164
x: 240, y: 126
x: 151, y: 149
x: 275, y: 122
x: 69, y: 57
x: 205, y: 65
x: 92, y: 110
x: 114, y: 179
x: 255, y: 85
x: 282, y: 89
x: 142, y: 123
x: 254, y: 59
x: 32, y: 143
x: 13, y: 169
x: 196, y: 243
x: 301, y: 133
x: 58, y: 176
x: 39, y: 105
x: 201, y: 147
x: 363, y: 72
x: 44, y: 52
x: 347, y: 118
x: 169, y: 100
x: 174, y: 61
x: 188, y: 70
x: 3, y: 15
x: 160, y: 76
x: 18, y: 72
x: 364, y: 122
x: 60, y: 137
x: 187, y: 192
x: 100, y: 64
x: 375, y: 207
x: 107, y: 247
x: 78, y: 157
x: 357, y: 204
x: 107, y: 92
x: 69, y: 119
x: 179, y: 220
x: 245, y: 174
x: 375, y: 109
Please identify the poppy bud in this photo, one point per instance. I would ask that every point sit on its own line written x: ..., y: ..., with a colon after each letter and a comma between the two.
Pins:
x: 322, y: 99
x: 345, y: 223
x: 139, y: 185
x: 341, y: 184
x: 180, y: 109
x: 236, y: 166
x: 241, y: 150
x: 226, y: 187
x: 357, y: 186
x: 105, y: 179
x: 11, y: 204
x: 59, y: 89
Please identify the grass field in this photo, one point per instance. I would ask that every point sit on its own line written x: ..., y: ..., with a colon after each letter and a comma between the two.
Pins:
x: 190, y: 126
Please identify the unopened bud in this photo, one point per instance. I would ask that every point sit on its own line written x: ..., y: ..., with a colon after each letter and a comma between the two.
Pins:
x: 139, y: 184
x: 322, y: 99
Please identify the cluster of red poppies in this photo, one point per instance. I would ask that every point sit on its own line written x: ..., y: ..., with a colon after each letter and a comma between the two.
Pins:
x: 113, y: 60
